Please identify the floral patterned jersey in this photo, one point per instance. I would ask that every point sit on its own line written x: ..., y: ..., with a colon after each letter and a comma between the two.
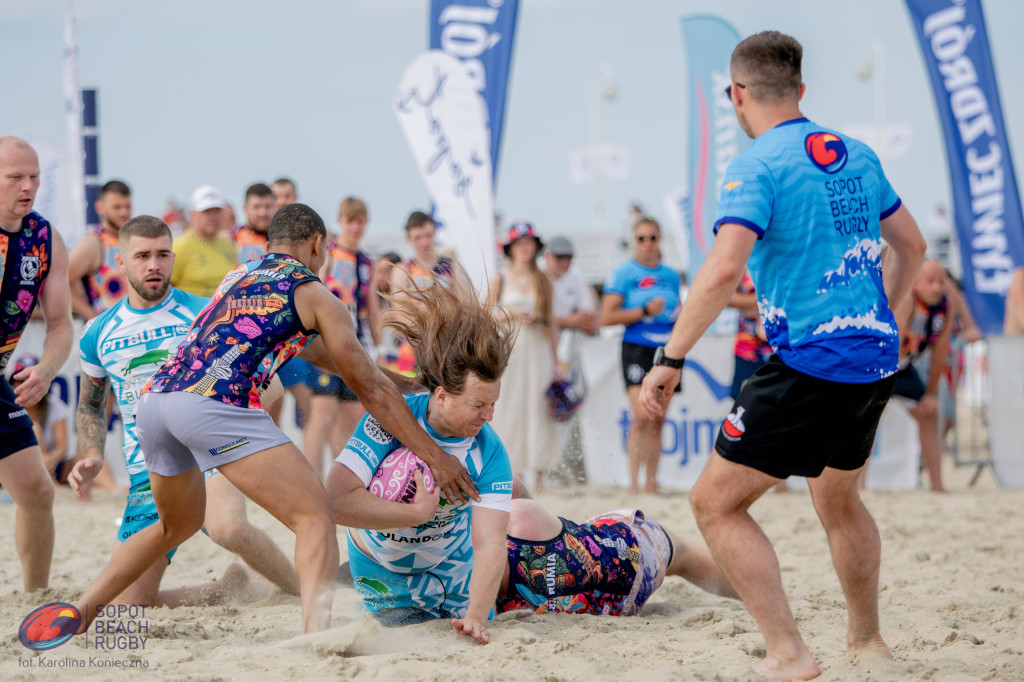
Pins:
x: 348, y: 278
x: 107, y: 285
x: 24, y: 263
x: 250, y: 244
x: 249, y: 329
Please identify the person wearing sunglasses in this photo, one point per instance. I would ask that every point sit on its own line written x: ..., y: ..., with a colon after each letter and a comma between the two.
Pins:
x: 643, y: 295
x: 806, y: 209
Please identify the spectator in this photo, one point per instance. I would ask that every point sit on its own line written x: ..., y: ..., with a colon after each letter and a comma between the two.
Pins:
x: 642, y: 294
x: 284, y: 191
x: 521, y: 417
x: 202, y: 255
x: 574, y: 307
x: 251, y: 239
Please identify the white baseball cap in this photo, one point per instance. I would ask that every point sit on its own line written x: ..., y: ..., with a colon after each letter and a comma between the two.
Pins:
x: 207, y: 197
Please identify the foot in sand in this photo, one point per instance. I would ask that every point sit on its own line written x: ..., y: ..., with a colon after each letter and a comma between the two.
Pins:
x: 803, y: 668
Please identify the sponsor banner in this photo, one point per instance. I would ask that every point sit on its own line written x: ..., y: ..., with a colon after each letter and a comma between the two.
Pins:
x: 695, y: 416
x: 986, y: 204
x: 1005, y: 409
x: 445, y: 123
x: 75, y: 177
x: 479, y: 33
x: 715, y: 137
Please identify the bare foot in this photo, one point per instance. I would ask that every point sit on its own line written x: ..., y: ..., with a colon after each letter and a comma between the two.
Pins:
x: 804, y: 668
x: 874, y: 643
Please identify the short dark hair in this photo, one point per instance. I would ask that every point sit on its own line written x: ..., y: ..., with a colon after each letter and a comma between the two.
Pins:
x: 142, y: 226
x: 770, y: 63
x: 417, y: 219
x: 295, y: 224
x: 286, y: 181
x: 116, y: 186
x: 391, y: 257
x: 258, y: 190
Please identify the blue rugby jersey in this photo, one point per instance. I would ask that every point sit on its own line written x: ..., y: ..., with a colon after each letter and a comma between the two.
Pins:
x: 639, y: 284
x: 421, y: 548
x: 129, y: 346
x: 815, y: 198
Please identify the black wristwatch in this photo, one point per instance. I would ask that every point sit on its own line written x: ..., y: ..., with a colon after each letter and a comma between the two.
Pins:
x: 661, y: 359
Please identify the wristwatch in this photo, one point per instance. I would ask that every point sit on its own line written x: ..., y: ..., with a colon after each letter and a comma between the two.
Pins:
x: 661, y: 359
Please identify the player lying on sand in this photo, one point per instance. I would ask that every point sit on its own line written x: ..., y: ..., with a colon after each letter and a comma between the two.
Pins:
x: 434, y: 558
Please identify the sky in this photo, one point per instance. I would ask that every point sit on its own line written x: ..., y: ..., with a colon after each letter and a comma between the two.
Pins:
x: 237, y: 91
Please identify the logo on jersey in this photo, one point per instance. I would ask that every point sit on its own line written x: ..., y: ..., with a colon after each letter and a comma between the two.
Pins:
x: 376, y: 432
x: 733, y: 185
x: 157, y: 356
x: 733, y: 426
x: 49, y: 626
x: 647, y: 282
x: 826, y: 151
x: 29, y: 269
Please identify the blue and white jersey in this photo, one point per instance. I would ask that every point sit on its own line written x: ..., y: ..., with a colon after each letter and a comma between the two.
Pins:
x: 637, y: 285
x: 129, y: 346
x: 421, y: 548
x: 815, y: 197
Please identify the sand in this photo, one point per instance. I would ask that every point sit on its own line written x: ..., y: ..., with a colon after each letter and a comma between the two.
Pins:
x: 952, y: 593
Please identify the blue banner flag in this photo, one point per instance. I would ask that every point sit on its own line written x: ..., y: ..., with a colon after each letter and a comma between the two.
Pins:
x: 715, y: 136
x: 986, y: 205
x: 479, y: 34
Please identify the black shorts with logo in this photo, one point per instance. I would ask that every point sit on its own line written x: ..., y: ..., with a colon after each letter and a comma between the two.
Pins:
x: 16, y: 432
x: 787, y: 423
x: 637, y: 361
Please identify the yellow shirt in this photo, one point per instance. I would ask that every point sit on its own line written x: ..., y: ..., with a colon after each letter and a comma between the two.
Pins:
x: 200, y: 266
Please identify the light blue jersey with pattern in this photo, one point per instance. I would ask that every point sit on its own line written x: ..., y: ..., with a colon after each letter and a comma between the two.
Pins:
x: 815, y: 198
x: 425, y: 547
x: 638, y: 285
x: 129, y: 345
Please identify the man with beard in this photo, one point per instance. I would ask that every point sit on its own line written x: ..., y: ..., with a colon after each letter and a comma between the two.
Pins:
x: 31, y: 254
x: 125, y: 346
x: 92, y: 257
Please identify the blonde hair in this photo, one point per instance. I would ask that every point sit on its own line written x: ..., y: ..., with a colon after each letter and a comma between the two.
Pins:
x: 352, y: 208
x: 452, y: 333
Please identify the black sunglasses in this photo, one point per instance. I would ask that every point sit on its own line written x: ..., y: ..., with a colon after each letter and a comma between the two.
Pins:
x: 563, y: 256
x: 728, y: 89
x: 646, y: 237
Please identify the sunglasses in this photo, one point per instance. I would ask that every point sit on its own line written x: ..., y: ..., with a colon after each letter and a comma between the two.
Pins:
x: 567, y: 256
x: 728, y: 89
x: 646, y: 238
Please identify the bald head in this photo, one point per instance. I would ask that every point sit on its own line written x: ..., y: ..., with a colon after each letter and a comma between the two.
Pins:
x: 929, y: 283
x: 19, y: 181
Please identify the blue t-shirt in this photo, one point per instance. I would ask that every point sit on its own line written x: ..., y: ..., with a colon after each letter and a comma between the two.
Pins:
x: 129, y: 345
x: 815, y: 198
x: 421, y: 548
x: 637, y: 284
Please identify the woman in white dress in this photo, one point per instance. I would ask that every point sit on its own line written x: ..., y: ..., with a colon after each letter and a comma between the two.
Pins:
x: 521, y: 416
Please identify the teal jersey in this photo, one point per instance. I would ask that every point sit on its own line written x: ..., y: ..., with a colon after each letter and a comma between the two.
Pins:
x: 128, y: 346
x: 815, y: 198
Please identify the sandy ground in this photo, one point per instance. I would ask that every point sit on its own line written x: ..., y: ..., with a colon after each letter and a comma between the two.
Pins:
x: 951, y: 599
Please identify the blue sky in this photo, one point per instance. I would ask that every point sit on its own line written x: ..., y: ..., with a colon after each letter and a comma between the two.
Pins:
x: 232, y: 92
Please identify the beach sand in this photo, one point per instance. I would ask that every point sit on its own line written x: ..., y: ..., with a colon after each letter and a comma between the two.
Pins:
x: 952, y: 597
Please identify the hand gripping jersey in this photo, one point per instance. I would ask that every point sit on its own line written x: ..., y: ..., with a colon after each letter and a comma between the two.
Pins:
x: 815, y: 198
x: 588, y: 568
x: 249, y: 329
x: 107, y: 285
x: 129, y: 345
x: 24, y: 264
x: 638, y: 285
x: 349, y: 280
x: 250, y: 244
x: 421, y: 548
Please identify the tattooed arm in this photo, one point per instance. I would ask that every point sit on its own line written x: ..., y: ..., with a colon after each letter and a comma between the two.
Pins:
x: 91, y: 421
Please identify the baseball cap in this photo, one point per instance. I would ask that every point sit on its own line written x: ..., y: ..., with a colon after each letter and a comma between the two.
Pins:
x: 207, y: 197
x: 560, y: 246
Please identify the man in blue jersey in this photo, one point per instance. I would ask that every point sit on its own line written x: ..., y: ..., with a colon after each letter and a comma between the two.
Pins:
x: 31, y: 254
x: 124, y: 346
x: 809, y: 208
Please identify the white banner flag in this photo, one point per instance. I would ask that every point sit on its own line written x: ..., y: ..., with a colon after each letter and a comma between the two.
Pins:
x: 444, y: 120
x: 73, y: 120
